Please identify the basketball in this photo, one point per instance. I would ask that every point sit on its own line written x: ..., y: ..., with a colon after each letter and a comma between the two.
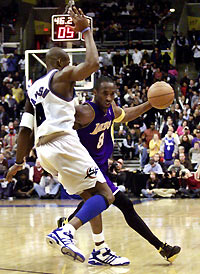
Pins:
x: 160, y: 95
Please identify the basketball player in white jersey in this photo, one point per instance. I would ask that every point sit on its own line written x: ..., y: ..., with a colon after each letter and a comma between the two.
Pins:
x: 50, y: 111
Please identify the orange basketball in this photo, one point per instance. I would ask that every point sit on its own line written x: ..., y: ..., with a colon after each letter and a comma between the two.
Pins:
x: 160, y: 95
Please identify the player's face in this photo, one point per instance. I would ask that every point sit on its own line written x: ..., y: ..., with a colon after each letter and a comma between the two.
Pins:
x: 105, y: 95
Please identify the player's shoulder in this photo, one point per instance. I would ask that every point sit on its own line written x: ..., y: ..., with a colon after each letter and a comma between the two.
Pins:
x: 84, y: 109
x: 84, y: 114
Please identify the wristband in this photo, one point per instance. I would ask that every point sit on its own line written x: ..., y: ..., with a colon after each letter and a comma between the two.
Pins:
x: 86, y: 29
x: 19, y: 164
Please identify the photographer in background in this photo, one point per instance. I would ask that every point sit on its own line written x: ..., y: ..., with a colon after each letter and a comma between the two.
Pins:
x: 189, y: 183
x: 167, y: 187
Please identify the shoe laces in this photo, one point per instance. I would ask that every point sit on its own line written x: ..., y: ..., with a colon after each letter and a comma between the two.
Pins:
x: 110, y: 252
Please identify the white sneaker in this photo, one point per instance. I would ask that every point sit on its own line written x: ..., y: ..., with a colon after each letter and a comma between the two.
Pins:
x: 105, y: 256
x: 65, y: 243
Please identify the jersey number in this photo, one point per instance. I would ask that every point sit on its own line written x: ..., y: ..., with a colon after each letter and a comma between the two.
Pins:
x: 40, y: 116
x: 101, y: 140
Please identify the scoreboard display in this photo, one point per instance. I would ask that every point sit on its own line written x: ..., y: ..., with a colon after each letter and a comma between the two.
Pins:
x: 61, y: 28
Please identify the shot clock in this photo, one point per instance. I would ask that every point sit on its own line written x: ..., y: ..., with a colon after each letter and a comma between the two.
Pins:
x: 61, y: 28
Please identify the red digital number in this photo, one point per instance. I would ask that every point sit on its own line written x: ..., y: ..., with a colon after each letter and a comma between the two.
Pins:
x: 70, y: 33
x: 65, y: 33
x: 61, y: 32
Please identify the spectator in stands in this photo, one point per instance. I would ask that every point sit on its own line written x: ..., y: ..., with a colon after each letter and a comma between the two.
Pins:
x: 180, y: 129
x: 137, y: 56
x: 48, y: 188
x: 11, y: 138
x: 143, y: 154
x: 3, y: 166
x: 4, y: 66
x: 176, y: 166
x: 185, y: 162
x: 194, y: 155
x: 24, y: 187
x: 151, y: 184
x: 17, y: 92
x: 36, y: 172
x: 158, y: 75
x: 186, y: 131
x: 165, y: 126
x: 6, y: 189
x: 12, y: 63
x: 127, y: 58
x: 152, y: 166
x: 3, y: 132
x: 154, y: 145
x: 117, y: 60
x: 8, y: 78
x: 185, y: 142
x: 128, y: 147
x: 196, y: 55
x: 197, y: 138
x: 168, y: 149
x: 190, y: 184
x: 166, y: 187
x: 156, y: 56
x: 148, y: 133
x: 4, y: 117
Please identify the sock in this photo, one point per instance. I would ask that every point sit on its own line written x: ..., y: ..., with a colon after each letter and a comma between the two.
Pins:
x: 92, y: 207
x: 69, y: 229
x: 97, y: 238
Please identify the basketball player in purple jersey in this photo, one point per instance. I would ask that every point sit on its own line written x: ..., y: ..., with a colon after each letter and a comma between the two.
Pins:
x: 93, y: 123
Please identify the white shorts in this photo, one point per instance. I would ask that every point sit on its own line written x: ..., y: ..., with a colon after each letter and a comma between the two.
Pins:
x: 68, y: 159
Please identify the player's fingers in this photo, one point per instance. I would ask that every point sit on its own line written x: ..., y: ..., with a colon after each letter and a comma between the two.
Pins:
x: 72, y: 14
x: 81, y: 12
x: 76, y: 11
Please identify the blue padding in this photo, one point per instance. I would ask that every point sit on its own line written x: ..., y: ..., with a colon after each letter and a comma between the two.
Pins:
x: 91, y: 208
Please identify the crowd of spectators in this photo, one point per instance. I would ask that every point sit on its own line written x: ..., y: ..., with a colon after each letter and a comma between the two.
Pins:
x: 164, y: 141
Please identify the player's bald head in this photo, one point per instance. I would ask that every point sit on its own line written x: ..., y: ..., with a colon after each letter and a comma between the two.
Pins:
x: 57, y: 58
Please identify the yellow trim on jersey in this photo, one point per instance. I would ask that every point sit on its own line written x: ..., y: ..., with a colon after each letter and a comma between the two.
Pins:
x: 121, y: 117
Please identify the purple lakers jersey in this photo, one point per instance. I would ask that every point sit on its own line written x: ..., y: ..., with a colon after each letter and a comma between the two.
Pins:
x: 96, y: 137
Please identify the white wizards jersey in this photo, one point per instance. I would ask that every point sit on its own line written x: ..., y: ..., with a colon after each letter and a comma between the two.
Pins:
x: 52, y: 113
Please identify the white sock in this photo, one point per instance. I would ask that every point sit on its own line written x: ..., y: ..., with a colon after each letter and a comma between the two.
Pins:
x: 69, y: 228
x: 97, y: 238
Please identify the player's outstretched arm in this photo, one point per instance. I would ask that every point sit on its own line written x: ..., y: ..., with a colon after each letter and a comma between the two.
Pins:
x: 132, y: 113
x: 91, y: 64
x: 25, y: 141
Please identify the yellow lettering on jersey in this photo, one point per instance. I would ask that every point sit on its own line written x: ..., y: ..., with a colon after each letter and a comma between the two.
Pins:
x: 101, y: 127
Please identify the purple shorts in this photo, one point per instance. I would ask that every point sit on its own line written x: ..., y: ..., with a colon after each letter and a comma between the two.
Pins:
x: 104, y: 170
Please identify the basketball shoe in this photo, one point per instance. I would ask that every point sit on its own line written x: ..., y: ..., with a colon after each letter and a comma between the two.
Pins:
x: 62, y: 239
x: 169, y: 252
x: 105, y: 256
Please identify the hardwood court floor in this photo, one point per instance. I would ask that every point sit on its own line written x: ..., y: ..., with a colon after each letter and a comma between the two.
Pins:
x: 24, y: 225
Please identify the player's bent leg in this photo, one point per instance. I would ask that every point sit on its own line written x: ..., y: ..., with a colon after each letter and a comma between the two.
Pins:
x: 135, y: 222
x: 63, y: 237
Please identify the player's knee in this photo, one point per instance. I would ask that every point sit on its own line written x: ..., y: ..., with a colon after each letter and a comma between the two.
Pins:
x: 110, y: 197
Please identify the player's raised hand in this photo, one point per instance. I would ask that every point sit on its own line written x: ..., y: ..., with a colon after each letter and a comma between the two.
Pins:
x: 79, y: 19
